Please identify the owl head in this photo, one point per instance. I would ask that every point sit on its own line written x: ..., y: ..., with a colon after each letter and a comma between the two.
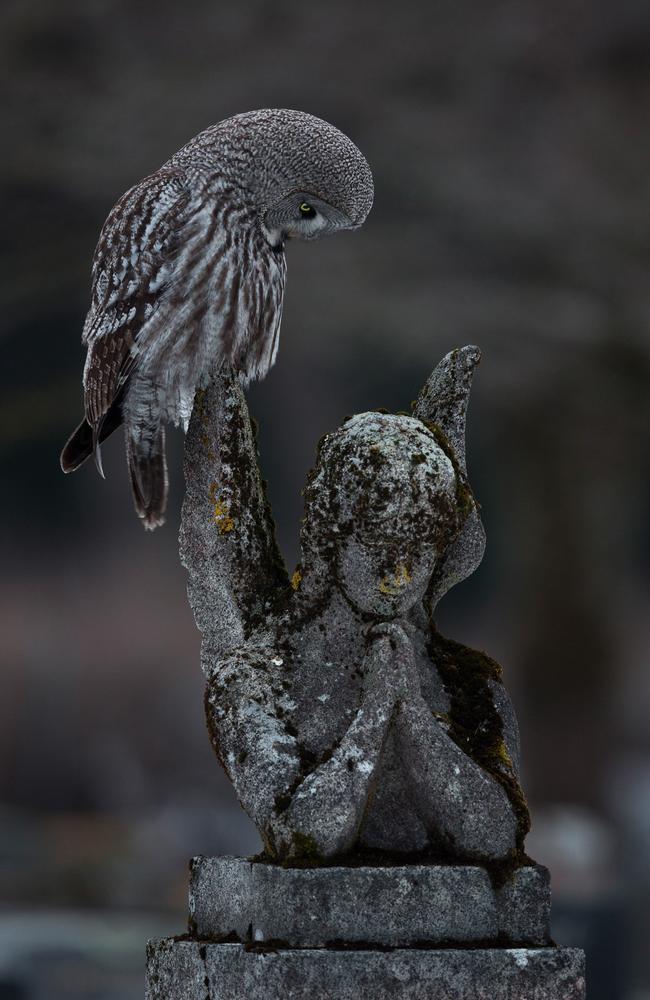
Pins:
x: 307, y: 178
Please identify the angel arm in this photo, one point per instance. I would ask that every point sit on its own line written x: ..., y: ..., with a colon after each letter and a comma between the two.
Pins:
x: 299, y: 811
x: 459, y: 801
x: 325, y: 812
x: 227, y: 534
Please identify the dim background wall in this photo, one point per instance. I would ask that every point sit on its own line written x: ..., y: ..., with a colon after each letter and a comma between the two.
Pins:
x: 512, y: 211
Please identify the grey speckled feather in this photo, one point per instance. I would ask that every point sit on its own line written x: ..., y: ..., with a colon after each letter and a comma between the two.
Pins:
x: 189, y: 271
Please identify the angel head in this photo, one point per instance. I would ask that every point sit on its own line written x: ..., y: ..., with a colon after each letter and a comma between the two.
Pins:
x: 389, y: 516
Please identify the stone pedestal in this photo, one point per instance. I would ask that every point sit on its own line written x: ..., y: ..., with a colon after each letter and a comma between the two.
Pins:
x: 415, y: 932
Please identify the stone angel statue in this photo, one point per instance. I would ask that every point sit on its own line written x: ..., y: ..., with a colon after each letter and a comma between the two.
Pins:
x: 346, y: 722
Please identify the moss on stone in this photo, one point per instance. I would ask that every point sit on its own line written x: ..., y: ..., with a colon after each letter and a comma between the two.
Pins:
x: 475, y: 724
x: 305, y: 847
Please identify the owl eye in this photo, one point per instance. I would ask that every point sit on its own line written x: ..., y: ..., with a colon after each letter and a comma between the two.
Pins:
x: 306, y: 210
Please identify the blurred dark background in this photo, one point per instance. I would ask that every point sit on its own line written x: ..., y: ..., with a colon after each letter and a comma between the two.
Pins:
x: 509, y: 143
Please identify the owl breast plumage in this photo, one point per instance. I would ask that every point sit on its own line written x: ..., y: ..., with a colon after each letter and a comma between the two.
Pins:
x: 189, y: 273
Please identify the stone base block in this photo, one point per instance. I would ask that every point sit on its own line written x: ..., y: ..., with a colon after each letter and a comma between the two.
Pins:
x: 192, y: 970
x: 392, y: 906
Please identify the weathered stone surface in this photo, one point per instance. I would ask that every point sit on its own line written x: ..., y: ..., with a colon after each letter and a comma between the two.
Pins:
x: 189, y: 970
x: 346, y: 722
x: 524, y: 906
x: 392, y: 906
x: 342, y: 717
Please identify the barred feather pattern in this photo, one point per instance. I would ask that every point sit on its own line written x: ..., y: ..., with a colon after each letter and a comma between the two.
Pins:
x: 185, y: 278
x: 168, y: 302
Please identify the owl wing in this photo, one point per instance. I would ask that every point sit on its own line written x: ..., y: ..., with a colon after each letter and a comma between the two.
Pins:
x: 133, y: 265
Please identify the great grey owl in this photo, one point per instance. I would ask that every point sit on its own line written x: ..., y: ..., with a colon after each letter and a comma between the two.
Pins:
x: 190, y: 270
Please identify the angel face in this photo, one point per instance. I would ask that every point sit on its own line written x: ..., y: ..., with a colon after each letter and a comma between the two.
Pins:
x: 390, y: 511
x: 404, y: 516
x: 385, y: 585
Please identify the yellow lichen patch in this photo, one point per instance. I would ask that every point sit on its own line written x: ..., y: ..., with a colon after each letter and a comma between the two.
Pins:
x: 222, y: 518
x: 392, y: 585
x: 503, y: 755
x: 296, y: 579
x: 220, y: 514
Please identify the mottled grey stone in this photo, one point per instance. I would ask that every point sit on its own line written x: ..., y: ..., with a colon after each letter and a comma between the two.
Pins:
x: 393, y: 906
x: 333, y: 703
x: 524, y: 906
x: 189, y: 970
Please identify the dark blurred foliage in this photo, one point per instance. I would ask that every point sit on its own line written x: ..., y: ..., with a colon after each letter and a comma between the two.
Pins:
x: 509, y: 146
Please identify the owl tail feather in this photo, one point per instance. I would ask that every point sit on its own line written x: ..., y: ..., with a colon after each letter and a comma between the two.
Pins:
x: 78, y: 447
x: 84, y: 441
x: 149, y: 482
